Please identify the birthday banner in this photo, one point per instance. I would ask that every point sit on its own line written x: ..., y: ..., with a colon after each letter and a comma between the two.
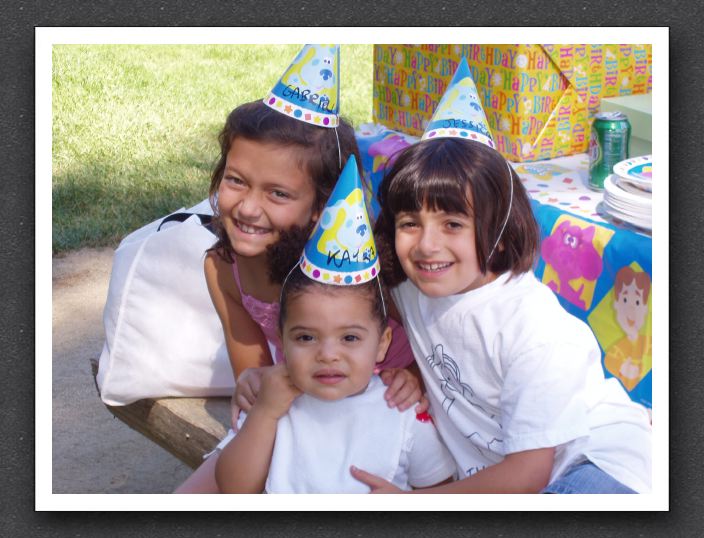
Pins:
x: 539, y: 99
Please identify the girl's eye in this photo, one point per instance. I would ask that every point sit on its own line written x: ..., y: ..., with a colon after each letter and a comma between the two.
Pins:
x: 406, y: 224
x: 280, y: 194
x: 304, y: 338
x: 350, y: 338
x: 454, y: 225
x: 233, y: 180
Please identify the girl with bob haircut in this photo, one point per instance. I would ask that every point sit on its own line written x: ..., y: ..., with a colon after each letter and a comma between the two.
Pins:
x: 515, y: 383
x: 439, y: 177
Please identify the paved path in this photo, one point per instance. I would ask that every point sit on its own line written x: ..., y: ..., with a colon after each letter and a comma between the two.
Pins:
x: 92, y: 451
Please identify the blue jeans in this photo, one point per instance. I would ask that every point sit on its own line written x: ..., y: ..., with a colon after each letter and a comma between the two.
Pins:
x: 586, y: 477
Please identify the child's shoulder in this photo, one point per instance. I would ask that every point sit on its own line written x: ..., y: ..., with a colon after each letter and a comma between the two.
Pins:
x: 532, y: 309
x: 214, y: 262
x: 525, y: 290
x: 219, y: 275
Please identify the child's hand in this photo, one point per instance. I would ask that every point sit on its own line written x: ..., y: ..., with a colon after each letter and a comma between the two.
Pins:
x: 246, y: 390
x: 404, y: 390
x: 277, y: 392
x: 377, y: 485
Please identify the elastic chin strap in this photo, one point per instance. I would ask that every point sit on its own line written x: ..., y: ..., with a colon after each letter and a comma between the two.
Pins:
x: 339, y: 151
x: 381, y: 293
x: 508, y: 213
x: 378, y: 281
x: 283, y: 284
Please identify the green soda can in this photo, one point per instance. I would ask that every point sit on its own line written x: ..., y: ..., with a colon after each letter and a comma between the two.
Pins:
x: 608, y: 145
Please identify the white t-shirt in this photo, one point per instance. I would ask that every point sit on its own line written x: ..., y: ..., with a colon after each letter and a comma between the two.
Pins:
x: 507, y: 369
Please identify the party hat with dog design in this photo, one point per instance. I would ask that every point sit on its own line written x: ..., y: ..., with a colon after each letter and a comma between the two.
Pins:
x: 459, y: 113
x: 309, y: 89
x: 341, y: 249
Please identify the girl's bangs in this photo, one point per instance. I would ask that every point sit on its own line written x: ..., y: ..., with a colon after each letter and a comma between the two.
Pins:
x: 434, y: 188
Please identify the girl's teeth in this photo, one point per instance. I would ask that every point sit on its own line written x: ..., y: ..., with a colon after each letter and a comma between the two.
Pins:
x: 251, y: 229
x: 433, y: 266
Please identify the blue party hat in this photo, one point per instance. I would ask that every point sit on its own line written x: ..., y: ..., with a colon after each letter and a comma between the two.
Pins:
x: 459, y: 113
x: 341, y: 249
x: 309, y: 89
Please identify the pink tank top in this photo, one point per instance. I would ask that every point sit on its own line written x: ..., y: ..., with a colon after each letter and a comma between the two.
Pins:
x: 266, y: 315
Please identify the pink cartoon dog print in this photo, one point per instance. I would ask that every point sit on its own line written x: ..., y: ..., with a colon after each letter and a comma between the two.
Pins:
x: 570, y: 252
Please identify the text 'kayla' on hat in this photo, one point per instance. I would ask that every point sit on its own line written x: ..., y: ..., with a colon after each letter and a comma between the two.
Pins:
x: 341, y: 249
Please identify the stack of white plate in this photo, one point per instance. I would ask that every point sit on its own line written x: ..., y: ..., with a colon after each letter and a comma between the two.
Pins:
x: 628, y: 192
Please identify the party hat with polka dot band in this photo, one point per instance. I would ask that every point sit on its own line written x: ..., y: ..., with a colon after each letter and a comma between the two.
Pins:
x: 459, y: 113
x: 341, y: 249
x: 309, y: 89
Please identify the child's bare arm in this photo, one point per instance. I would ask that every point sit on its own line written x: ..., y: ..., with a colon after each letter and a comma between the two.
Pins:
x: 246, y: 345
x: 521, y: 472
x: 244, y: 463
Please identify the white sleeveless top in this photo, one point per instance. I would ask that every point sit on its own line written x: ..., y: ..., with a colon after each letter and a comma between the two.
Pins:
x: 318, y: 441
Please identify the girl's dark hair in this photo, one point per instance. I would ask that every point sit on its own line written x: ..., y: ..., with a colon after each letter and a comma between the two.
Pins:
x: 297, y: 283
x: 438, y: 175
x: 319, y: 156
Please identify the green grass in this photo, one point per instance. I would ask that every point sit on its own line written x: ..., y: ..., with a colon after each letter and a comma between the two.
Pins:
x: 134, y: 128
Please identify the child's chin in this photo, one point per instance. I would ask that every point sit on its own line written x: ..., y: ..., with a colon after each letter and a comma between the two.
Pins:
x: 327, y: 397
x: 431, y: 290
x: 248, y: 251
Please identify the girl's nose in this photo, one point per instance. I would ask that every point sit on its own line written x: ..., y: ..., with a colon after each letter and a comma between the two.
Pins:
x: 327, y: 352
x: 249, y: 206
x: 428, y: 242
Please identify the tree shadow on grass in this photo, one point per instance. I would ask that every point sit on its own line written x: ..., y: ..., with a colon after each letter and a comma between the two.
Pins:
x: 96, y: 203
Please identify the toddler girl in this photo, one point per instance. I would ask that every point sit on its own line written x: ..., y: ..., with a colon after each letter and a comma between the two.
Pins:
x: 324, y: 408
x: 516, y: 384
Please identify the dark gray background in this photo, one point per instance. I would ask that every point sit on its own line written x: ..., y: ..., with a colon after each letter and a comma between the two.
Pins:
x: 18, y: 19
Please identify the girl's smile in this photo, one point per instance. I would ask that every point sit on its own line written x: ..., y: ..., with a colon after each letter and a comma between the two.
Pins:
x: 255, y: 230
x: 437, y: 252
x: 433, y: 267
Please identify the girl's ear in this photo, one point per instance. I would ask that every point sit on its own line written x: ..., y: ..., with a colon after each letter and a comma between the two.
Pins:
x: 315, y: 215
x: 384, y: 344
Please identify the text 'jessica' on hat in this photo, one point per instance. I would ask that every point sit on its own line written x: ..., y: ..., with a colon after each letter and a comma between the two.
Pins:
x: 459, y: 113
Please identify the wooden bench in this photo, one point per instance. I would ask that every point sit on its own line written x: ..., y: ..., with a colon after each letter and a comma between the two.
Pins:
x: 188, y: 428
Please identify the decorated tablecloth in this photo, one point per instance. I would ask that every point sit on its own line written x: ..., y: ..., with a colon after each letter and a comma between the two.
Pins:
x: 600, y: 268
